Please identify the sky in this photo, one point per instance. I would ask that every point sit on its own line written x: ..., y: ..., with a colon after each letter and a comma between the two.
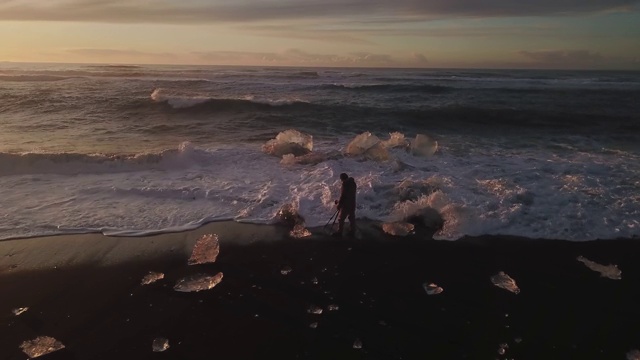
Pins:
x: 553, y: 34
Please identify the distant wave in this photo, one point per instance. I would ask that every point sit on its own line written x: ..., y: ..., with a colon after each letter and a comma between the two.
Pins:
x: 75, y: 163
x: 202, y: 102
x: 390, y: 88
x: 124, y: 67
x: 35, y: 78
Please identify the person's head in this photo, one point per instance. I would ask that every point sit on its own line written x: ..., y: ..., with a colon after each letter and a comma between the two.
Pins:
x: 344, y: 177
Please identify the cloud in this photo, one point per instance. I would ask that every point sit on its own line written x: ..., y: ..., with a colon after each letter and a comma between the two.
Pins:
x: 564, y: 58
x: 420, y: 59
x: 116, y: 56
x: 201, y: 11
x: 297, y: 57
x: 109, y: 53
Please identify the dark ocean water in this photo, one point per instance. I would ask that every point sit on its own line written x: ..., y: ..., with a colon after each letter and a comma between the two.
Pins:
x: 138, y: 149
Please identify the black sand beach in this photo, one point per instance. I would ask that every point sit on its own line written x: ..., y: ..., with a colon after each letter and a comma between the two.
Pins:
x: 84, y: 290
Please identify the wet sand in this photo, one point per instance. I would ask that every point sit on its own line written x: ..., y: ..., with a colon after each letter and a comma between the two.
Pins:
x: 84, y: 290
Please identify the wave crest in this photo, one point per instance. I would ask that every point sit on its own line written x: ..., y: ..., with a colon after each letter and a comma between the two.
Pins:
x: 249, y: 103
x: 75, y: 163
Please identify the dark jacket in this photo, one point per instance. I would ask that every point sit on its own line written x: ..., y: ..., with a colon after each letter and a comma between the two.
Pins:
x: 348, y: 194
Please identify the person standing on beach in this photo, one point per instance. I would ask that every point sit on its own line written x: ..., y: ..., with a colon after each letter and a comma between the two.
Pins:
x: 347, y: 205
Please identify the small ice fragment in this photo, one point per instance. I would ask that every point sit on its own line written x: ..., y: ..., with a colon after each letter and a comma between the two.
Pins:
x: 313, y: 325
x: 609, y: 271
x: 299, y: 232
x: 151, y: 277
x: 398, y: 228
x: 333, y: 307
x: 19, y: 311
x: 41, y: 345
x: 198, y: 282
x: 503, y: 349
x: 205, y: 250
x: 160, y: 344
x: 633, y: 355
x: 518, y: 340
x: 316, y: 310
x: 357, y: 344
x: 503, y: 281
x: 286, y: 270
x: 314, y: 281
x: 432, y: 289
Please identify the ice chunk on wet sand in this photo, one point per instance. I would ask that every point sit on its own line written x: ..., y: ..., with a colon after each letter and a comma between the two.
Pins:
x: 299, y: 232
x: 19, y: 311
x: 398, y: 228
x: 160, y: 344
x: 504, y: 281
x: 432, y: 289
x: 151, y: 277
x: 41, y: 345
x: 198, y: 282
x: 357, y: 344
x: 609, y: 271
x: 205, y: 250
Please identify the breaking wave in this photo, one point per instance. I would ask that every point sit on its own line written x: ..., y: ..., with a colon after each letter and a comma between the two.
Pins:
x: 247, y: 103
x: 74, y: 163
x: 391, y: 88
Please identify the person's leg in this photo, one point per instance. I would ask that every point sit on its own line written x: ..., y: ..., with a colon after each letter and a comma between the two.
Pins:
x: 352, y: 222
x: 342, y: 217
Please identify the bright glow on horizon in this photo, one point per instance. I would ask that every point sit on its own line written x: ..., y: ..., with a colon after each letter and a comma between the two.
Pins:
x: 590, y: 34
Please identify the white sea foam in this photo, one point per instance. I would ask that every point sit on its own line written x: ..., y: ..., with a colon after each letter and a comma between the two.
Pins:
x: 178, y: 102
x: 483, y: 190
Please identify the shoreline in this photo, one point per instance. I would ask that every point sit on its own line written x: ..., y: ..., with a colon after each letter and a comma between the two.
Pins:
x: 371, y: 226
x: 84, y: 290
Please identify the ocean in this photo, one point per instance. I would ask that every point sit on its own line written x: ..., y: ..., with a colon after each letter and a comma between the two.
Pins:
x: 135, y: 150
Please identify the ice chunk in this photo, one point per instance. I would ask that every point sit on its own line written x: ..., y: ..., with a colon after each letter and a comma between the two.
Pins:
x: 288, y: 215
x: 609, y: 271
x: 398, y: 228
x: 316, y: 310
x: 361, y: 143
x: 424, y: 145
x: 396, y: 139
x: 198, y: 282
x: 299, y: 232
x: 357, y: 344
x: 377, y: 152
x: 633, y: 355
x: 206, y: 250
x: 41, y: 345
x: 308, y: 159
x: 286, y: 270
x: 502, y: 349
x: 151, y: 277
x: 160, y: 344
x: 289, y: 142
x: 432, y: 289
x: 313, y: 325
x: 288, y: 159
x: 503, y: 280
x: 19, y: 311
x: 333, y: 307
